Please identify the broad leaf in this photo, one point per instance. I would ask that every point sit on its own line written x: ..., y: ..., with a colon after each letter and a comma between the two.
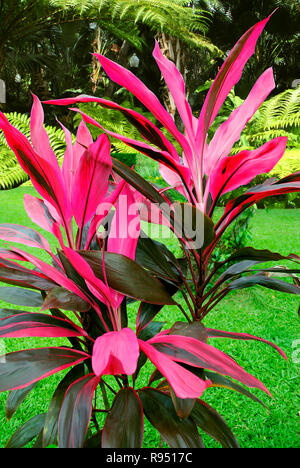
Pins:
x: 22, y: 368
x: 27, y: 432
x: 11, y: 273
x: 124, y: 425
x: 15, y: 399
x: 159, y: 409
x: 127, y: 277
x: 76, y: 411
x: 213, y: 424
x: 151, y: 256
x: 50, y: 432
x: 183, y: 406
x: 21, y: 297
x: 195, y: 330
x: 35, y: 324
x: 62, y: 298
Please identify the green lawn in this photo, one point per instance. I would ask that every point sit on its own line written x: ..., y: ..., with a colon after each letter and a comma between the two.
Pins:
x: 265, y: 313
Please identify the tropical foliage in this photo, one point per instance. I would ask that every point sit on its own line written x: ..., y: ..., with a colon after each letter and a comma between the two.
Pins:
x: 103, y: 260
x: 169, y: 16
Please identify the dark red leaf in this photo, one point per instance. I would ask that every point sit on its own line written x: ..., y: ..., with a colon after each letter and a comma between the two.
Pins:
x: 124, y: 425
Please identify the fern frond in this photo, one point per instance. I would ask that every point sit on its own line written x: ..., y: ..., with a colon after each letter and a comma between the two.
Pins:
x: 278, y: 116
x: 174, y: 17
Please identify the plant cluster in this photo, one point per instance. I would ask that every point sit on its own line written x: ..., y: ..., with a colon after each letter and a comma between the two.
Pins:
x: 93, y: 206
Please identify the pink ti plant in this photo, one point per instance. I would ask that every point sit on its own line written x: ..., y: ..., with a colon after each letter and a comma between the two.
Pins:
x: 101, y: 265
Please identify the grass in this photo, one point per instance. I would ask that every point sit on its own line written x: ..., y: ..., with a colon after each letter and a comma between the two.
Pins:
x: 257, y: 311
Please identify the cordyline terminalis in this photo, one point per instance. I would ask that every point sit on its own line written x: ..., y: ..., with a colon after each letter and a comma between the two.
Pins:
x: 96, y: 271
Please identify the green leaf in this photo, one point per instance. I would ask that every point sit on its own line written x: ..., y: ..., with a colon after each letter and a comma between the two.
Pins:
x: 124, y: 425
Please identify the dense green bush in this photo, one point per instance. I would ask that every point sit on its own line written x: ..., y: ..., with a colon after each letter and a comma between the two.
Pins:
x: 127, y: 158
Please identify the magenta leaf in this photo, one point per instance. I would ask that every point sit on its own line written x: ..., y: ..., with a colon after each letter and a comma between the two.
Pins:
x: 23, y: 235
x: 39, y: 325
x: 12, y: 273
x: 241, y: 336
x: 116, y: 353
x: 184, y: 383
x: 240, y: 169
x: 46, y: 178
x: 227, y: 77
x: 193, y: 352
x: 87, y: 193
x: 230, y: 131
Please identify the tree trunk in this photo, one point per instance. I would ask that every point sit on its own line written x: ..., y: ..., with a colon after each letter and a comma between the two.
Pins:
x: 121, y: 59
x: 1, y: 61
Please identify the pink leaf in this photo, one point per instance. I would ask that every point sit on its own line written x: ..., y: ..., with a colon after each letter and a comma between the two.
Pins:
x: 175, y: 83
x: 46, y: 178
x: 95, y: 165
x: 128, y: 80
x: 39, y: 137
x: 35, y: 325
x: 196, y: 353
x: 240, y: 169
x: 230, y: 131
x: 23, y: 235
x: 145, y: 127
x: 95, y: 285
x: 242, y: 336
x: 116, y: 353
x: 184, y: 383
x: 125, y: 227
x: 227, y: 77
x: 164, y: 157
